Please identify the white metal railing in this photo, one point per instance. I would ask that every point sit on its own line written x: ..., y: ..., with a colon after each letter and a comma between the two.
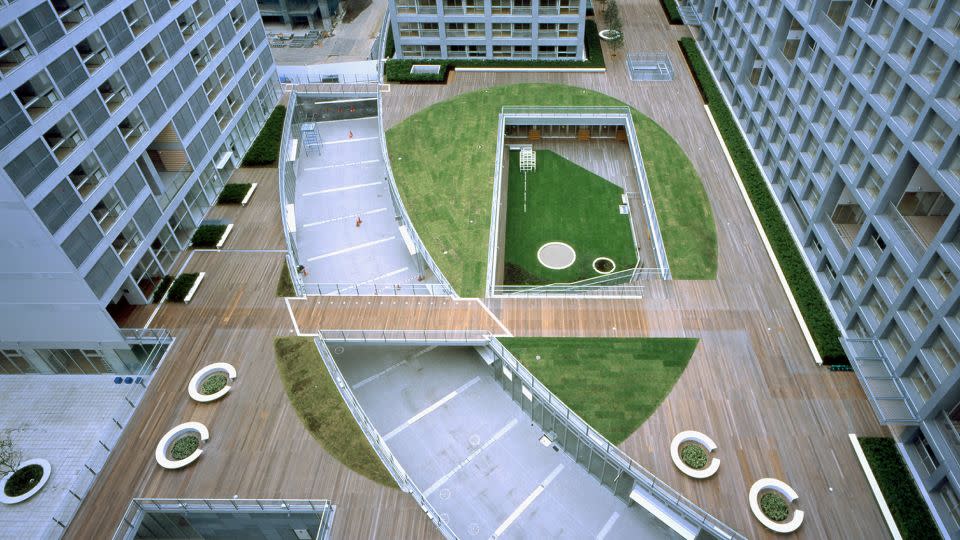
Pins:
x: 647, y: 198
x: 379, y: 445
x: 80, y: 486
x: 133, y: 516
x: 651, y: 485
x: 574, y: 112
x: 373, y: 289
x: 405, y: 336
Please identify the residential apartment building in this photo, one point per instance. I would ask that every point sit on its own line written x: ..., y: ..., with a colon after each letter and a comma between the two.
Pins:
x: 299, y: 13
x: 852, y: 108
x: 489, y: 29
x: 121, y: 123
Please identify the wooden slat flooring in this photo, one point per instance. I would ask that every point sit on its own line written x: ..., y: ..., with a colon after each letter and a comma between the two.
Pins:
x: 391, y: 312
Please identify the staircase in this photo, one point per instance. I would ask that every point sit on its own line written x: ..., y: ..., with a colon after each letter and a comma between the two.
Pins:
x: 311, y: 142
x: 689, y: 14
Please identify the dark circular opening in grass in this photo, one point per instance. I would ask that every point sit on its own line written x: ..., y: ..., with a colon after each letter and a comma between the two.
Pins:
x: 23, y: 480
x: 694, y: 455
x: 774, y: 506
x: 603, y: 265
x: 213, y: 383
x: 184, y: 447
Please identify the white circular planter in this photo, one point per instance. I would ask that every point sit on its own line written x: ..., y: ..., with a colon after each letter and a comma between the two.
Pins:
x: 556, y: 255
x: 47, y: 469
x: 609, y: 34
x: 194, y: 387
x: 772, y: 484
x: 613, y: 265
x: 703, y: 440
x: 163, y: 447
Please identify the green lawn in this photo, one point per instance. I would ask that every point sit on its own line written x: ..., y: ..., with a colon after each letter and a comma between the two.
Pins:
x: 613, y: 383
x: 321, y: 408
x: 443, y: 159
x: 565, y: 203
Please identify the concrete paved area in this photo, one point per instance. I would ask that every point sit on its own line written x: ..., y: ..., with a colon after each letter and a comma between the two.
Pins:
x: 64, y: 431
x: 347, y: 181
x: 476, y: 455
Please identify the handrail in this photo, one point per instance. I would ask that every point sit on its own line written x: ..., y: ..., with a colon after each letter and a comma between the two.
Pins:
x: 404, y: 336
x: 654, y: 486
x: 648, y: 199
x: 379, y: 445
x: 372, y: 289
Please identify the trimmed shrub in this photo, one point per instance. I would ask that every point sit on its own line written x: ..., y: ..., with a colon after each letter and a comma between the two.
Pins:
x: 774, y: 506
x: 207, y: 236
x: 233, y: 193
x: 184, y: 446
x: 909, y: 510
x: 694, y: 456
x: 285, y: 283
x: 672, y: 11
x: 162, y: 288
x: 23, y: 480
x: 213, y: 384
x: 399, y: 70
x: 181, y: 286
x: 812, y: 305
x: 266, y: 147
x: 390, y: 48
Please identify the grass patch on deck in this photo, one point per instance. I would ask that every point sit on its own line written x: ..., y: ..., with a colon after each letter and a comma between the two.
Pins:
x: 443, y: 159
x: 321, y: 408
x: 614, y: 384
x: 284, y: 282
x: 906, y: 504
x: 565, y: 203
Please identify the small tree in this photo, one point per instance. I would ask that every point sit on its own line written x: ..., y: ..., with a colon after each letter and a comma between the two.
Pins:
x: 9, y: 455
x: 617, y: 44
x: 611, y: 14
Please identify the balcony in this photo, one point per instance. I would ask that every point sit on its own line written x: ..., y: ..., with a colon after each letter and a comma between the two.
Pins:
x: 884, y: 390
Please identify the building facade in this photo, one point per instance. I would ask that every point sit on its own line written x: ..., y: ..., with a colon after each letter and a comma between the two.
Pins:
x: 121, y: 123
x: 852, y: 109
x: 299, y: 13
x: 489, y: 29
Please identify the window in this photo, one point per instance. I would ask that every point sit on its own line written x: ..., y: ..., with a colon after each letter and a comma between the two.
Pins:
x: 932, y: 64
x: 37, y: 95
x: 924, y: 387
x: 870, y: 123
x: 941, y: 349
x: 888, y: 83
x: 936, y: 132
x: 897, y: 342
x: 950, y: 19
x: 890, y: 147
x: 14, y: 49
x: 876, y: 305
x: 911, y: 107
x: 907, y: 45
x: 63, y: 138
x: 868, y: 63
x: 919, y: 311
x: 57, y: 206
x: 895, y: 277
x: 106, y: 211
x: 132, y: 128
x: 849, y: 49
x: 93, y: 51
x: 942, y: 277
x: 137, y: 17
x: 114, y: 91
x: 13, y: 362
x: 126, y: 242
x: 237, y: 18
x: 154, y: 55
x: 86, y: 177
x: 886, y: 22
x: 837, y: 11
x: 950, y: 501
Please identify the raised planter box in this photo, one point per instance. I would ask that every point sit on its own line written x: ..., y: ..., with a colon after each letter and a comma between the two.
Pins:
x: 193, y: 388
x: 223, y: 239
x: 47, y: 470
x: 249, y: 195
x: 772, y: 484
x: 193, y: 290
x: 701, y: 439
x: 163, y: 447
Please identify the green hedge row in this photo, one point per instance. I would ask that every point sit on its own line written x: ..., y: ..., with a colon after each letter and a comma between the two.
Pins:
x: 391, y: 48
x: 207, y: 236
x: 805, y: 291
x: 399, y: 70
x: 181, y: 286
x: 233, y: 193
x: 162, y: 288
x: 672, y: 11
x: 909, y: 510
x: 266, y: 147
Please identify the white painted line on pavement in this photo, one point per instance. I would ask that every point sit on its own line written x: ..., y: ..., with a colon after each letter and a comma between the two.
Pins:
x: 439, y: 403
x: 497, y: 436
x: 527, y: 502
x: 352, y: 248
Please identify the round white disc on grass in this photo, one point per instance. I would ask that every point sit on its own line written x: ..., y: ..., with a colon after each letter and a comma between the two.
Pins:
x: 556, y: 255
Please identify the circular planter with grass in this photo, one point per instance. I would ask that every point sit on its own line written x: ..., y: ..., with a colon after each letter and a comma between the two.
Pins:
x: 604, y: 265
x: 691, y: 451
x: 25, y: 482
x: 609, y: 34
x: 211, y: 382
x: 180, y: 446
x: 773, y: 503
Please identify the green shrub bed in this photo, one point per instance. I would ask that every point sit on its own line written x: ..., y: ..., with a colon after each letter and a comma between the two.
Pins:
x: 284, y: 282
x: 207, y: 236
x: 233, y: 193
x: 181, y: 286
x: 694, y: 456
x: 671, y: 10
x: 213, y: 384
x: 909, y: 510
x: 397, y: 70
x: 162, y: 288
x: 774, y: 506
x: 266, y: 147
x: 184, y: 446
x: 23, y: 480
x: 812, y: 305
